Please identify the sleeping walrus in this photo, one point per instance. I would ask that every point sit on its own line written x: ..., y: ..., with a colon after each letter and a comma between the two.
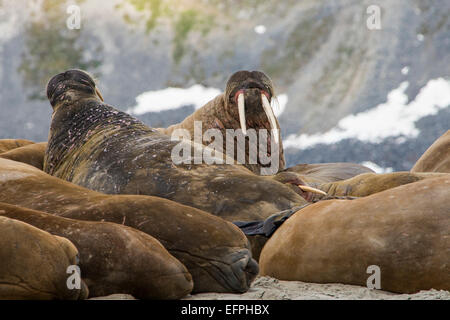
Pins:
x: 34, y: 264
x: 404, y: 231
x: 98, y: 147
x: 245, y: 105
x: 114, y: 258
x: 215, y: 252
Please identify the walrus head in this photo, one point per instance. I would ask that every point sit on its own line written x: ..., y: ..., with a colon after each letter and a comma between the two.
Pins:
x: 248, y: 96
x: 60, y: 86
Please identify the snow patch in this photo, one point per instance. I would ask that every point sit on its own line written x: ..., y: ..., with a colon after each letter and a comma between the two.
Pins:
x: 394, y: 118
x: 405, y: 70
x: 377, y: 168
x: 279, y: 104
x: 260, y: 29
x: 173, y: 98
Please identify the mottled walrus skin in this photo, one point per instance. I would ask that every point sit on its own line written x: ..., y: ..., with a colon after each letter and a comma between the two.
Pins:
x: 114, y: 258
x: 436, y: 158
x: 33, y: 263
x: 215, y: 252
x: 404, y: 231
x: 222, y: 113
x: 98, y: 147
x: 9, y: 144
x: 369, y: 183
x: 32, y: 154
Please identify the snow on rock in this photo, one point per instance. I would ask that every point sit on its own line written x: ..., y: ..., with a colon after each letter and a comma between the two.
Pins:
x: 394, y: 118
x: 376, y: 167
x: 173, y: 98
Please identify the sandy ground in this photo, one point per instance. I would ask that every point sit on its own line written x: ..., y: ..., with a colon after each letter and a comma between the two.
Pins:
x: 265, y: 288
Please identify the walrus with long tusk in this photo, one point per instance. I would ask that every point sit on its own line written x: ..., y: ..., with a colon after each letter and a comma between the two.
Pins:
x: 245, y: 105
x: 98, y: 147
x: 215, y: 252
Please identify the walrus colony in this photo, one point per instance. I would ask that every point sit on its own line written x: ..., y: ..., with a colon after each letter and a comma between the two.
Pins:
x: 95, y: 127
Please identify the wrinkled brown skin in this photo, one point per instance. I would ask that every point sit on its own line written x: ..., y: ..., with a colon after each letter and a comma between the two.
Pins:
x: 369, y: 183
x: 316, y: 175
x: 405, y: 231
x: 222, y: 113
x: 98, y: 147
x: 34, y: 264
x: 215, y: 252
x: 114, y: 258
x: 10, y: 144
x: 436, y: 158
x: 32, y: 154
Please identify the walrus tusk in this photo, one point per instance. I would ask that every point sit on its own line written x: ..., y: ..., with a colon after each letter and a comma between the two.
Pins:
x: 99, y: 94
x: 241, y: 109
x: 311, y: 189
x: 271, y: 117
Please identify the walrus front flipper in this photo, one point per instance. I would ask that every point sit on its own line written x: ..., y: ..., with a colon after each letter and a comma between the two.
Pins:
x: 267, y: 227
x: 258, y: 232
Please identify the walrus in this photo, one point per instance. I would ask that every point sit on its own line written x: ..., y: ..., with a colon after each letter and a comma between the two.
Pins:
x: 34, y: 264
x: 369, y: 183
x: 114, y: 258
x: 245, y: 105
x: 215, y: 252
x: 98, y: 147
x: 319, y: 173
x: 404, y: 231
x: 9, y: 144
x: 32, y: 154
x: 436, y: 158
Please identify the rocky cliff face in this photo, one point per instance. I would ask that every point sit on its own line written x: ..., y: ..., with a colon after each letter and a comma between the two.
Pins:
x: 320, y: 53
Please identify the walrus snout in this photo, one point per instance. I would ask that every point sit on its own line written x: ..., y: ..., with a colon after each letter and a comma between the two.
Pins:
x: 244, y: 270
x: 233, y: 273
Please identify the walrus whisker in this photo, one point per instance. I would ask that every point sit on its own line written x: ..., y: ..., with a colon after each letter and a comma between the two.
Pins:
x: 271, y: 117
x: 241, y: 109
x: 311, y: 189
